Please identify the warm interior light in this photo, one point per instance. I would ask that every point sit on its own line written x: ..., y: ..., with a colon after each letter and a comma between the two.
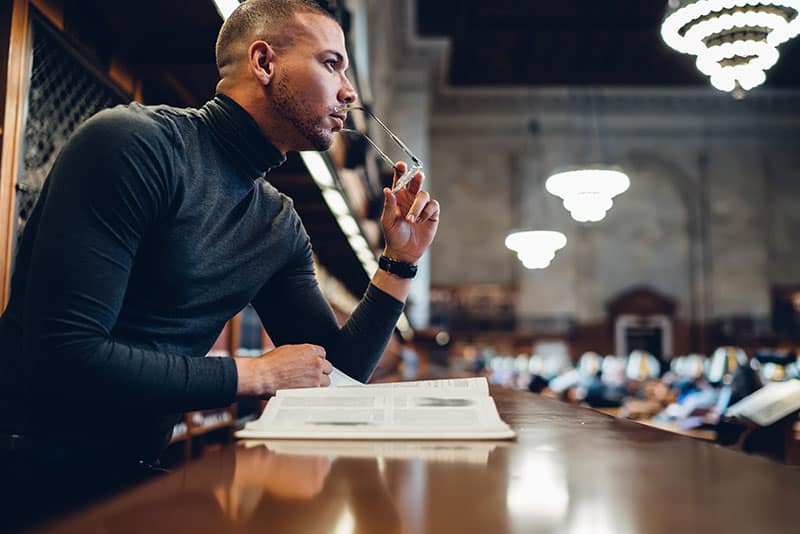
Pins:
x: 366, y: 256
x: 536, y: 248
x: 588, y: 192
x: 348, y: 225
x: 357, y: 242
x: 336, y: 203
x: 735, y: 41
x: 226, y: 7
x: 318, y: 168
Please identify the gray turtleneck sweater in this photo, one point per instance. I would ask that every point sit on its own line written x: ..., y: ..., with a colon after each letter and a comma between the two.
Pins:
x: 155, y: 226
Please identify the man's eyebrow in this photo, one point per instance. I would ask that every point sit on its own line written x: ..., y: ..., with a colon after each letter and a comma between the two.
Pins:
x: 339, y: 57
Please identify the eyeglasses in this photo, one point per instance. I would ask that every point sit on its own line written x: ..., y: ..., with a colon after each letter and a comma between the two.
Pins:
x: 416, y: 163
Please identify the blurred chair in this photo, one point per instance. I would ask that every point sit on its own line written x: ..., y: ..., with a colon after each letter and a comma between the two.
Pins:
x: 590, y: 363
x: 613, y: 370
x: 723, y: 363
x: 773, y: 372
x: 693, y: 367
x: 555, y: 357
x: 536, y: 364
x: 676, y: 365
x: 521, y: 364
x: 642, y: 366
x: 775, y: 365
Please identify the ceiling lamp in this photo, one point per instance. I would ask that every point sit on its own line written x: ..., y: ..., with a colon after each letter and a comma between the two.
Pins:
x: 226, y: 7
x: 735, y: 41
x: 536, y: 249
x: 588, y: 191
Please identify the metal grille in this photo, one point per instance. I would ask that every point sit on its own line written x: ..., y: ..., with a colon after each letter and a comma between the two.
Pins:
x: 63, y: 93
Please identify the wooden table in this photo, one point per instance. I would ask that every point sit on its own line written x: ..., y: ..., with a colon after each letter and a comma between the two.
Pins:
x: 571, y: 470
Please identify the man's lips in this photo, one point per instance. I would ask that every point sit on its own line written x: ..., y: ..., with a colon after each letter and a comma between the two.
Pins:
x: 339, y: 119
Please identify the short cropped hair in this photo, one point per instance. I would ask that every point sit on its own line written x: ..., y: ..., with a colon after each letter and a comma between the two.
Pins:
x: 260, y: 19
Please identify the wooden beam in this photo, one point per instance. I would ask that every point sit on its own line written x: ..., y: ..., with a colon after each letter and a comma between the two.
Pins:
x: 122, y: 75
x: 169, y: 79
x: 53, y: 10
x: 17, y: 76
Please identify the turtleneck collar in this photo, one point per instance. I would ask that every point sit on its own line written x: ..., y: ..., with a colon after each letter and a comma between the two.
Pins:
x: 241, y: 137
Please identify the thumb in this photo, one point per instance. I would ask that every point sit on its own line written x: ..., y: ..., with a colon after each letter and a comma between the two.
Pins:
x: 390, y: 207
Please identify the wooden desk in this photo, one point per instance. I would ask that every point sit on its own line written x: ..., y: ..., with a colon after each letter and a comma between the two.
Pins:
x: 571, y: 470
x: 708, y: 435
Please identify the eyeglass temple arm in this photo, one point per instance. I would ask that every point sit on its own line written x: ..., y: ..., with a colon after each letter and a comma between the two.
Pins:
x: 396, y: 139
x: 383, y: 155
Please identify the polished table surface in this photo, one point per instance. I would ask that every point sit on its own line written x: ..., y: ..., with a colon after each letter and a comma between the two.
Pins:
x: 570, y: 470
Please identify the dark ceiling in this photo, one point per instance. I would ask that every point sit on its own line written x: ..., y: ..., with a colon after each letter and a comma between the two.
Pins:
x: 569, y: 42
x: 497, y: 42
x: 169, y: 44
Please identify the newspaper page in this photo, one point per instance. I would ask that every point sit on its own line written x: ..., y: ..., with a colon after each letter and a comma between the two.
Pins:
x: 383, y: 414
x: 448, y: 386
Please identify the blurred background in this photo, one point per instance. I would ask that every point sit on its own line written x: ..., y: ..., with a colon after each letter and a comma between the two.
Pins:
x: 668, y: 275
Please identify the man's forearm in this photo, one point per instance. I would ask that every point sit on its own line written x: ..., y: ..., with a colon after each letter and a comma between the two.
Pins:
x: 391, y: 284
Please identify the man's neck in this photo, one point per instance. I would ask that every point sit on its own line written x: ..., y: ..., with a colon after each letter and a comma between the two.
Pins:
x: 259, y: 109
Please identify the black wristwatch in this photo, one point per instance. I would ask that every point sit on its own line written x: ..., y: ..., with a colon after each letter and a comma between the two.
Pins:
x: 398, y: 268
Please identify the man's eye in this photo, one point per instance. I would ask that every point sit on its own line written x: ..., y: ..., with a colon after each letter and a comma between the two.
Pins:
x: 331, y: 63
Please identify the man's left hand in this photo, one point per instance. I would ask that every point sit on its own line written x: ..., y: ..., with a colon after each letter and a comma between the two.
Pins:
x: 410, y: 218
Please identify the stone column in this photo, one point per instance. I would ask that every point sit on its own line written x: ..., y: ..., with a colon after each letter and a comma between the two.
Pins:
x: 401, y: 72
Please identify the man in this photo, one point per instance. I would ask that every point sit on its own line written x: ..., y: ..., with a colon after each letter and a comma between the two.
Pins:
x: 157, y: 225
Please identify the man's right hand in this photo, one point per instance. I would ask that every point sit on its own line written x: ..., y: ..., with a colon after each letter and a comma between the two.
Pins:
x: 288, y: 366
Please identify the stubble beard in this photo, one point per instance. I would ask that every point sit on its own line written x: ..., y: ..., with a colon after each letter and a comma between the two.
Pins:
x: 292, y: 107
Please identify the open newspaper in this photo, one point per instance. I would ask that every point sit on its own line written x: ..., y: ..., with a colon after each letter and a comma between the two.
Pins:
x: 458, y: 408
x: 769, y: 404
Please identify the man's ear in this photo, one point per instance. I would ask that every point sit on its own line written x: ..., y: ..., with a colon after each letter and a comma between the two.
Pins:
x: 261, y: 58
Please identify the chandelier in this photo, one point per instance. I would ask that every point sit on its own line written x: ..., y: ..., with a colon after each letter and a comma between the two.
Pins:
x: 588, y: 191
x: 735, y: 41
x: 536, y: 248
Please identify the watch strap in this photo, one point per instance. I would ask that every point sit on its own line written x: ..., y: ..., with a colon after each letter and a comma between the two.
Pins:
x: 398, y: 268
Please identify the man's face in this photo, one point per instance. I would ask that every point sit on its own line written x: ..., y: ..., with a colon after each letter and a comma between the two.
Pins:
x: 310, y: 82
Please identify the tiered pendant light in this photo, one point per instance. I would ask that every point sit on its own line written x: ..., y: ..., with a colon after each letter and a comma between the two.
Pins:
x: 735, y: 41
x: 536, y: 248
x: 588, y: 191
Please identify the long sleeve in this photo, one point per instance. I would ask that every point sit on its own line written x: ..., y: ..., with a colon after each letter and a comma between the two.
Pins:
x: 110, y: 188
x: 293, y: 310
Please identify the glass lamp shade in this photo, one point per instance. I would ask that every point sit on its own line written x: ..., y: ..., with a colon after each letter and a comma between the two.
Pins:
x: 735, y: 41
x: 588, y: 192
x: 536, y: 248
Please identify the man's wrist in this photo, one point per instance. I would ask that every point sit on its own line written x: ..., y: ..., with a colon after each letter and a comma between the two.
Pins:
x: 250, y: 382
x: 400, y: 269
x: 399, y: 256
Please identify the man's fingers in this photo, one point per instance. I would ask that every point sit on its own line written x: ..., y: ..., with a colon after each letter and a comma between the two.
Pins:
x: 415, y: 184
x: 399, y: 170
x: 314, y: 349
x: 430, y: 212
x: 326, y: 368
x: 420, y: 201
x: 390, y: 207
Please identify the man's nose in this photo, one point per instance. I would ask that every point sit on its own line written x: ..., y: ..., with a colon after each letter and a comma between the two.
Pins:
x: 347, y: 94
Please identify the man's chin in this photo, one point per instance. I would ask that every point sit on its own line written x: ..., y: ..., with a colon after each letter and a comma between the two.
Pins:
x: 322, y: 142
